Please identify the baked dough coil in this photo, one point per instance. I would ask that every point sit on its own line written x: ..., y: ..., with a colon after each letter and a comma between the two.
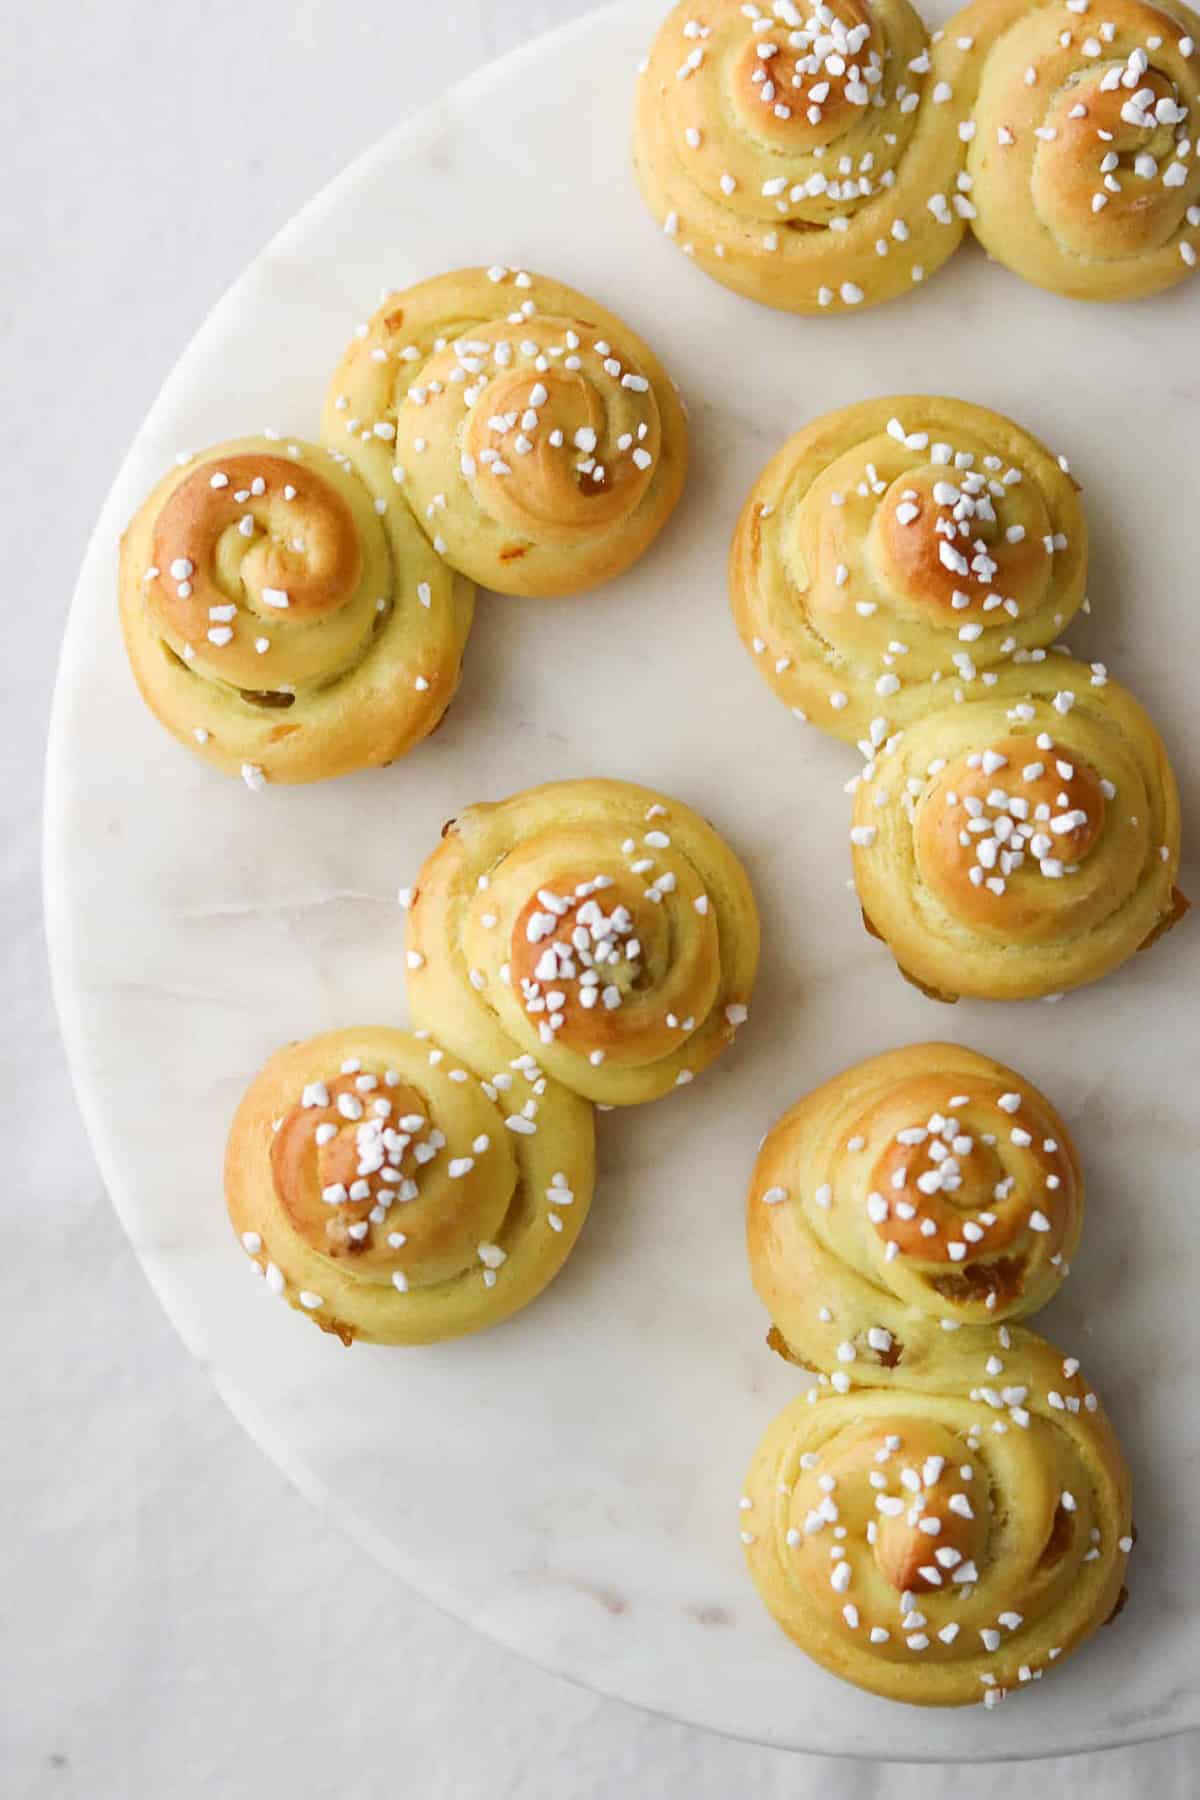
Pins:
x: 598, y: 927
x: 1021, y: 843
x: 397, y: 1196
x: 808, y: 157
x: 537, y: 440
x: 923, y: 1185
x: 277, y: 625
x: 895, y: 548
x: 1084, y: 171
x: 933, y: 1542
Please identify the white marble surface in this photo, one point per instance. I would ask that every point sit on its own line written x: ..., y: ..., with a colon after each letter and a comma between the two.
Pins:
x: 249, y: 1642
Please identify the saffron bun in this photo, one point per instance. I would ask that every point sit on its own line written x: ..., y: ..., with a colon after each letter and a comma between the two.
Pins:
x: 926, y: 1187
x: 808, y: 158
x: 277, y: 624
x: 1023, y: 842
x: 1083, y: 165
x: 601, y: 928
x: 897, y: 548
x: 921, y: 1542
x: 395, y: 1196
x: 538, y: 441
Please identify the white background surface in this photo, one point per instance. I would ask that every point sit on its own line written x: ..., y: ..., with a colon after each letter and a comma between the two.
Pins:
x: 178, y: 1622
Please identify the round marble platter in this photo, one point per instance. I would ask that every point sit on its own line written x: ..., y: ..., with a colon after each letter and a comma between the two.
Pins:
x: 568, y: 1483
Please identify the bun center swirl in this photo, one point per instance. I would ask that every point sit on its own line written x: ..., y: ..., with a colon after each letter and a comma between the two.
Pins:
x: 1000, y: 823
x: 1117, y: 129
x: 798, y: 86
x: 260, y: 570
x: 365, y: 1175
x: 598, y: 963
x: 956, y: 539
x: 960, y: 545
x: 550, y: 450
x: 913, y: 1503
x: 973, y: 1183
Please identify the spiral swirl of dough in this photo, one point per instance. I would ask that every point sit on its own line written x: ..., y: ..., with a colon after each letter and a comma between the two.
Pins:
x: 946, y: 1541
x: 897, y: 547
x: 1023, y: 843
x: 537, y: 440
x: 811, y: 157
x: 277, y: 624
x: 923, y: 1185
x: 398, y: 1197
x: 601, y: 928
x: 1084, y: 170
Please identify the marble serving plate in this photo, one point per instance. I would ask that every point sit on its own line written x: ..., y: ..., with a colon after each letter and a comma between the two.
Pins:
x: 568, y: 1483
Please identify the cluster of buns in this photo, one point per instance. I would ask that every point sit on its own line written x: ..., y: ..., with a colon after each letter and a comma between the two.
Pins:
x: 585, y: 941
x: 293, y: 611
x: 948, y: 1511
x: 828, y: 156
x: 901, y: 572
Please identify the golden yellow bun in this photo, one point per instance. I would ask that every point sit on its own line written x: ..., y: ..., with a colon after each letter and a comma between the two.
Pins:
x: 811, y: 161
x: 1084, y: 172
x: 279, y: 626
x: 598, y: 926
x: 1055, y: 759
x: 538, y: 441
x: 396, y: 1196
x: 926, y: 1184
x: 944, y: 1541
x: 892, y: 546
